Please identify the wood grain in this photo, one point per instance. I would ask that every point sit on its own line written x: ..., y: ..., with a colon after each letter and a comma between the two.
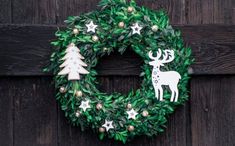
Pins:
x: 175, y: 9
x: 31, y: 117
x: 67, y: 8
x: 6, y: 112
x: 210, y: 11
x: 25, y: 50
x: 35, y: 113
x: 212, y: 110
x: 26, y: 45
x: 5, y: 11
x: 213, y: 48
x: 116, y: 64
x: 34, y: 11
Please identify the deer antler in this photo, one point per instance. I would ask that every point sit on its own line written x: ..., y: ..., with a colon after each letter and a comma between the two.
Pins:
x: 168, y: 56
x: 151, y: 55
x: 159, y: 53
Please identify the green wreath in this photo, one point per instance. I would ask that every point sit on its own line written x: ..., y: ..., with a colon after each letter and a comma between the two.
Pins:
x: 117, y: 26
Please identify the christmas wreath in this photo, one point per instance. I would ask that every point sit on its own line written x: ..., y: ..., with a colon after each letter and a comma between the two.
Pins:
x: 117, y: 26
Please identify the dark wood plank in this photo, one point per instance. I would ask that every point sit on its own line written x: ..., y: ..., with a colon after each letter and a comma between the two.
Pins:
x: 74, y: 8
x: 25, y: 50
x: 35, y: 113
x: 213, y: 48
x: 210, y: 12
x: 5, y: 11
x: 175, y: 9
x: 6, y: 112
x: 212, y: 110
x: 34, y: 12
x: 127, y: 64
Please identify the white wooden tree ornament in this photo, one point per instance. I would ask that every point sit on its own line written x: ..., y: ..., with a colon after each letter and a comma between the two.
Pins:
x: 168, y: 78
x: 73, y: 64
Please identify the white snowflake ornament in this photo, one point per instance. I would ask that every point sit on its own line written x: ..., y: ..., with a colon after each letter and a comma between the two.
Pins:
x: 108, y: 125
x: 91, y: 27
x: 73, y: 65
x: 132, y: 114
x: 85, y: 105
x: 136, y: 29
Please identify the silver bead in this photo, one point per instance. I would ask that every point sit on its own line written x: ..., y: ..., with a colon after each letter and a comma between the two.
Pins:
x: 129, y: 106
x: 99, y: 106
x: 121, y: 24
x: 62, y: 90
x: 154, y: 28
x: 145, y: 113
x: 75, y: 31
x: 77, y: 114
x: 78, y: 93
x: 130, y: 9
x: 131, y: 128
x: 95, y: 38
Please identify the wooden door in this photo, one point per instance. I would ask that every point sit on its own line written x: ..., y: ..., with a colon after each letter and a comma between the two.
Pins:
x: 30, y: 116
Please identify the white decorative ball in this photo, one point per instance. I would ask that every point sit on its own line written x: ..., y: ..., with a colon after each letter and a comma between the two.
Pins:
x: 101, y: 130
x: 78, y: 93
x: 145, y: 113
x: 129, y: 106
x: 154, y: 28
x: 62, y: 90
x: 121, y: 24
x: 99, y: 106
x: 131, y: 128
x: 75, y: 31
x: 130, y: 9
x: 105, y: 49
x: 95, y: 38
x: 77, y: 114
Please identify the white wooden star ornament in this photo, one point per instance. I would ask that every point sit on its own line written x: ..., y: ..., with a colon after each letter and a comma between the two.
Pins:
x: 85, y: 105
x: 132, y: 114
x: 108, y: 125
x: 136, y: 28
x: 91, y: 27
x: 73, y: 64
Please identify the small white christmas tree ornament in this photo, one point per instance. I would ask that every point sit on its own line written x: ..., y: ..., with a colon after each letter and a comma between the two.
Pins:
x: 73, y: 64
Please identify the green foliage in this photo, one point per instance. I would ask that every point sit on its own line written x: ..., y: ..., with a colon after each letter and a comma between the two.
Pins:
x: 119, y: 39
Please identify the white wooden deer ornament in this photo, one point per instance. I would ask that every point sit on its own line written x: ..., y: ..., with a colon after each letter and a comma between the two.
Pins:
x: 168, y: 78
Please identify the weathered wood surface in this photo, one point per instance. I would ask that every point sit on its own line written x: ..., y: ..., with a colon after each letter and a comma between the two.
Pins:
x: 56, y: 11
x: 210, y: 11
x: 25, y: 50
x: 212, y: 111
x: 34, y: 11
x: 6, y: 113
x: 5, y: 11
x: 29, y: 116
x: 28, y: 112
